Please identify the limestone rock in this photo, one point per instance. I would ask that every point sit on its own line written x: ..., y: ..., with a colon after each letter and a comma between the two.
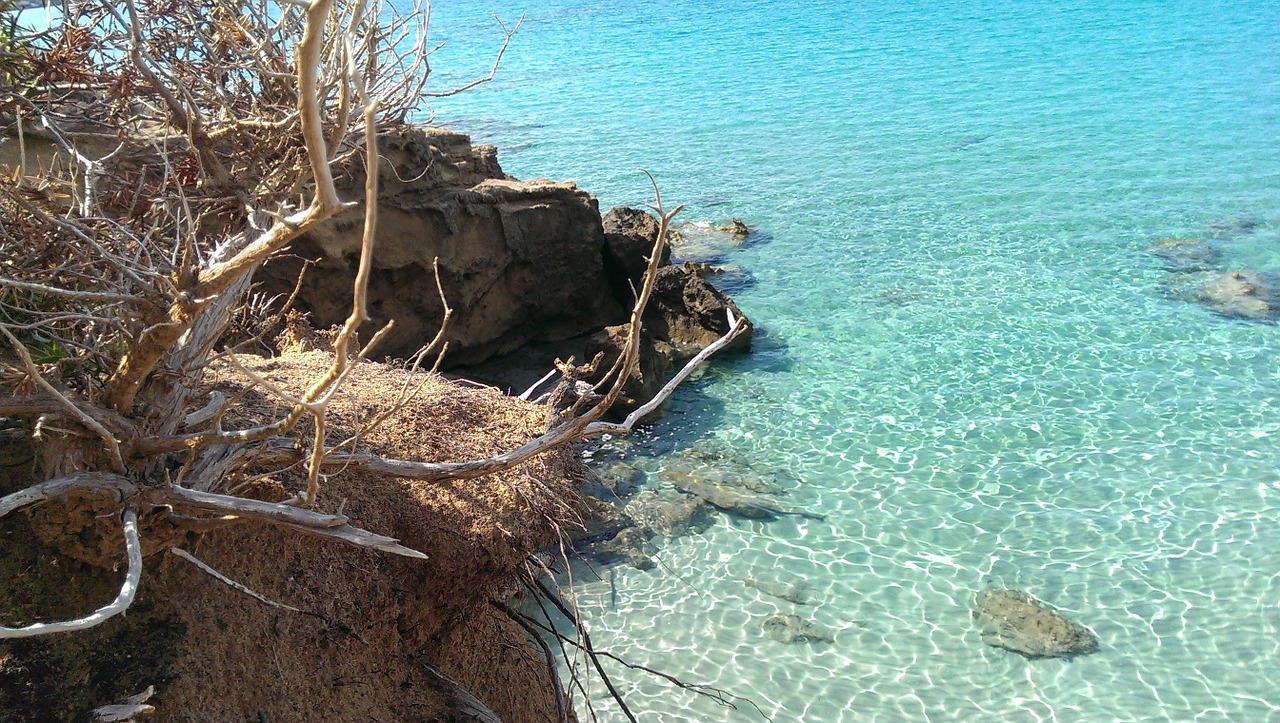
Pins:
x: 795, y: 629
x: 520, y: 262
x: 1013, y: 620
x: 1242, y: 295
x: 689, y: 312
x: 629, y: 236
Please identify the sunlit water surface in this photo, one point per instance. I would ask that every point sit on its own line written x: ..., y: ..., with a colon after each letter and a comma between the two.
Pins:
x: 964, y: 357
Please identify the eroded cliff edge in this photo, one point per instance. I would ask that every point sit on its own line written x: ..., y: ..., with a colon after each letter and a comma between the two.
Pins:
x: 533, y: 272
x: 370, y: 635
x: 531, y: 269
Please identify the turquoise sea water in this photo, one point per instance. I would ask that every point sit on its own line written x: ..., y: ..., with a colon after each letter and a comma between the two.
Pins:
x: 964, y: 359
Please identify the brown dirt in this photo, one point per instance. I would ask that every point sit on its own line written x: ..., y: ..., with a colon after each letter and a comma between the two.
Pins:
x: 372, y: 620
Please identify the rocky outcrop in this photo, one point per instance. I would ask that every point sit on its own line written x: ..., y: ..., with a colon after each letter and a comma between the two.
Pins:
x: 519, y: 262
x: 629, y: 236
x: 735, y: 227
x: 530, y: 269
x: 688, y: 312
x: 1013, y: 620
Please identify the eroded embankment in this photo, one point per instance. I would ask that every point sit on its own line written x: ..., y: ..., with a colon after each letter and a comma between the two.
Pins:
x: 372, y: 624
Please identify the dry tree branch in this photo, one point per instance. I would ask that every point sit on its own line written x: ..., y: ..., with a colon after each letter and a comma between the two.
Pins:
x: 506, y: 41
x: 72, y: 293
x: 359, y: 294
x: 60, y: 486
x: 218, y: 279
x: 133, y: 548
x: 178, y: 258
x: 181, y: 254
x: 308, y: 72
x: 186, y: 117
x: 334, y: 526
x: 228, y: 581
x: 113, y: 445
x: 737, y: 327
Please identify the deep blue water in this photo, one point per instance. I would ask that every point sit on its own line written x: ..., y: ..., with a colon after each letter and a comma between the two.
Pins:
x: 965, y: 357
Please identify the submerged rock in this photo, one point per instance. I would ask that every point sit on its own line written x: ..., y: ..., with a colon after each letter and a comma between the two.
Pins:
x: 1241, y: 295
x: 703, y: 241
x: 632, y: 546
x: 722, y: 474
x: 1013, y: 620
x: 1188, y: 254
x: 670, y: 517
x: 619, y: 478
x: 794, y: 592
x: 795, y: 629
x: 729, y: 278
x: 732, y: 501
x: 898, y: 297
x: 1231, y: 226
x: 598, y: 520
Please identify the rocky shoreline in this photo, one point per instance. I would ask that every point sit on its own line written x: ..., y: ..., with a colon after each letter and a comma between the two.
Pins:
x: 531, y: 270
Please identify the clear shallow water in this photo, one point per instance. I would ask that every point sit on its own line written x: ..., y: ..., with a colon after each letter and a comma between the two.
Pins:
x: 964, y: 357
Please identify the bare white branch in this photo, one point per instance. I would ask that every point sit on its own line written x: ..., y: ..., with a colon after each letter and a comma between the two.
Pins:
x: 737, y: 327
x: 131, y: 709
x: 57, y: 487
x: 335, y: 526
x: 133, y: 547
x: 228, y: 581
x: 533, y: 387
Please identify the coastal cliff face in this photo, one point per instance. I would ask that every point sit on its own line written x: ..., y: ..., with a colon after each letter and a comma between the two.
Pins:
x: 519, y: 262
x: 527, y: 266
